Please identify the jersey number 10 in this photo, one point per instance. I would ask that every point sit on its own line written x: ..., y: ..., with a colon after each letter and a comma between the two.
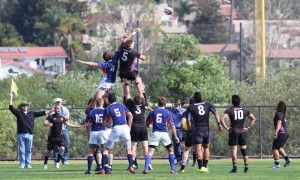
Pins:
x: 238, y: 115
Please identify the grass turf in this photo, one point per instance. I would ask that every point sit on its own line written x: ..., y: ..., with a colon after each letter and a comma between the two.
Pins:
x: 219, y: 169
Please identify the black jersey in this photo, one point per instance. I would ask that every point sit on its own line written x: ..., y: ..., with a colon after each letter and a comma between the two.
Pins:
x: 280, y: 116
x: 198, y: 114
x: 127, y: 58
x: 237, y: 116
x: 57, y: 121
x: 138, y: 113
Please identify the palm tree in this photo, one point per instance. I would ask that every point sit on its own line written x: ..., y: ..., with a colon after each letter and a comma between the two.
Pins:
x: 184, y: 8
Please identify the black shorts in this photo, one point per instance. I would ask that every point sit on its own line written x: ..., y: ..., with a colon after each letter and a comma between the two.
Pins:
x: 52, y: 141
x: 237, y: 138
x: 139, y: 134
x: 280, y: 141
x: 128, y: 75
x: 188, y: 139
x: 201, y: 137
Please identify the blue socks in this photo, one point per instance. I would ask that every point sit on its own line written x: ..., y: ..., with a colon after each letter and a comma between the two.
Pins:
x: 90, y: 162
x: 171, y: 160
x: 147, y: 162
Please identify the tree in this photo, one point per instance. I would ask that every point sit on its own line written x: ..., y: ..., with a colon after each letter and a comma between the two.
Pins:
x: 9, y: 36
x: 208, y: 25
x: 184, y: 70
x: 184, y: 8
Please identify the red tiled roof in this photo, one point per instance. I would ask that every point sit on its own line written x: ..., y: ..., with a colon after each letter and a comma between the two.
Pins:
x: 225, y: 10
x: 283, y: 53
x: 35, y: 52
x: 26, y: 66
x: 217, y: 48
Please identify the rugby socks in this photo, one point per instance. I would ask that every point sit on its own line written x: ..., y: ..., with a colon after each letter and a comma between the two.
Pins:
x: 46, y: 159
x: 59, y: 157
x: 234, y: 166
x: 286, y: 157
x: 205, y: 162
x: 246, y: 166
x: 276, y: 161
x: 194, y: 157
x: 95, y: 157
x: 135, y: 162
x: 147, y: 162
x: 171, y: 160
x: 130, y: 159
x: 104, y: 161
x: 90, y: 162
x: 200, y: 163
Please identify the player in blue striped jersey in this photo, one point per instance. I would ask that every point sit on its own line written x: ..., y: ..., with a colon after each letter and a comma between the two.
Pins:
x: 160, y: 118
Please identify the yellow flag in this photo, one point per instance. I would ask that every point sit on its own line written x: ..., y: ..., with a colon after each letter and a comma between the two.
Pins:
x: 14, y: 87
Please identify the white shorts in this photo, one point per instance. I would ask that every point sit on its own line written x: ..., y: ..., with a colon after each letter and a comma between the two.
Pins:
x: 119, y: 132
x: 105, y: 85
x: 98, y: 137
x: 157, y: 137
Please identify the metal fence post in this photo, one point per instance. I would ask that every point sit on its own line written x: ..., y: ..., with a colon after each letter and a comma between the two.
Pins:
x: 260, y: 132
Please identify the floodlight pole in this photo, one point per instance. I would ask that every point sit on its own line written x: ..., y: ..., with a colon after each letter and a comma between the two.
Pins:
x: 241, y: 52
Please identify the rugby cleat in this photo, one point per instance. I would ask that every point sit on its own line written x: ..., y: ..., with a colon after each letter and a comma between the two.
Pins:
x: 87, y: 172
x: 100, y: 172
x: 276, y: 166
x: 145, y: 172
x: 150, y: 167
x: 45, y: 166
x: 172, y: 172
x: 131, y: 169
x: 246, y: 169
x: 233, y: 170
x: 288, y: 162
x: 57, y: 165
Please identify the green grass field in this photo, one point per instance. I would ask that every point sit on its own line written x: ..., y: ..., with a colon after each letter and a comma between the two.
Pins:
x: 219, y: 169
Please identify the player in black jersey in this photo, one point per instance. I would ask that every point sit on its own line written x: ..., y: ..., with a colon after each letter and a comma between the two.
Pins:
x: 237, y: 131
x: 280, y: 135
x: 198, y: 119
x: 127, y: 68
x: 55, y: 122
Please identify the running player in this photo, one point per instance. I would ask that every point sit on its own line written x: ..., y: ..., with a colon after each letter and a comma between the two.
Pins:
x: 116, y: 115
x: 160, y: 118
x: 280, y: 135
x: 109, y: 71
x: 237, y: 131
x: 198, y: 116
x: 55, y: 122
x: 97, y: 134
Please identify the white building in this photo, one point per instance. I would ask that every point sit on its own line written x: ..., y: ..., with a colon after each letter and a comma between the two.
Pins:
x: 31, y: 60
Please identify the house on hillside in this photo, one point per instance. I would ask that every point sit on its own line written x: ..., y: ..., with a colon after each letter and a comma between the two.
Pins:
x: 32, y: 60
x: 228, y: 51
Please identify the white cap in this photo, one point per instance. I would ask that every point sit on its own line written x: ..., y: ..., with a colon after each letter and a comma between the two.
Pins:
x: 57, y: 100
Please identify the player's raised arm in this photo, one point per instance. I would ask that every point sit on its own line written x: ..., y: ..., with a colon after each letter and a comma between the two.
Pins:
x: 88, y: 63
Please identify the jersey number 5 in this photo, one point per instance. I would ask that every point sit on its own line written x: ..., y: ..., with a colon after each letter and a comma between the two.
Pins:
x: 124, y: 56
x: 117, y: 112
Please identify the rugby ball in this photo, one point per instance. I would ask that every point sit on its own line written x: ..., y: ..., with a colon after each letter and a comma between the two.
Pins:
x: 168, y: 10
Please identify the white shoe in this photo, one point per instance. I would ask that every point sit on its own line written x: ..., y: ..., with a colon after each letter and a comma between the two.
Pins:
x: 45, y: 166
x: 150, y: 167
x: 276, y: 166
x: 57, y: 165
x: 28, y: 166
x: 22, y: 167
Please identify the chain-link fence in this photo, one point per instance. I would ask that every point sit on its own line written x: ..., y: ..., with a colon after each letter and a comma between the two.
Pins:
x: 260, y: 135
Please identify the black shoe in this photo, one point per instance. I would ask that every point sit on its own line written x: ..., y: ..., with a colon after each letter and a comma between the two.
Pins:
x: 233, y: 170
x: 245, y: 169
x: 87, y: 172
x: 145, y: 172
x: 97, y: 168
x: 287, y: 162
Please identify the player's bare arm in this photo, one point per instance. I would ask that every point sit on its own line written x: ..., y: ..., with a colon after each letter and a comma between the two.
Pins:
x: 222, y: 121
x: 130, y: 117
x: 217, y: 117
x: 47, y: 123
x: 72, y: 125
x: 88, y: 63
x: 278, y: 126
x: 252, y: 121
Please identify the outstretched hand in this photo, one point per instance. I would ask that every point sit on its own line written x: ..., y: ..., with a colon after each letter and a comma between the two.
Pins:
x: 137, y: 30
x: 79, y: 61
